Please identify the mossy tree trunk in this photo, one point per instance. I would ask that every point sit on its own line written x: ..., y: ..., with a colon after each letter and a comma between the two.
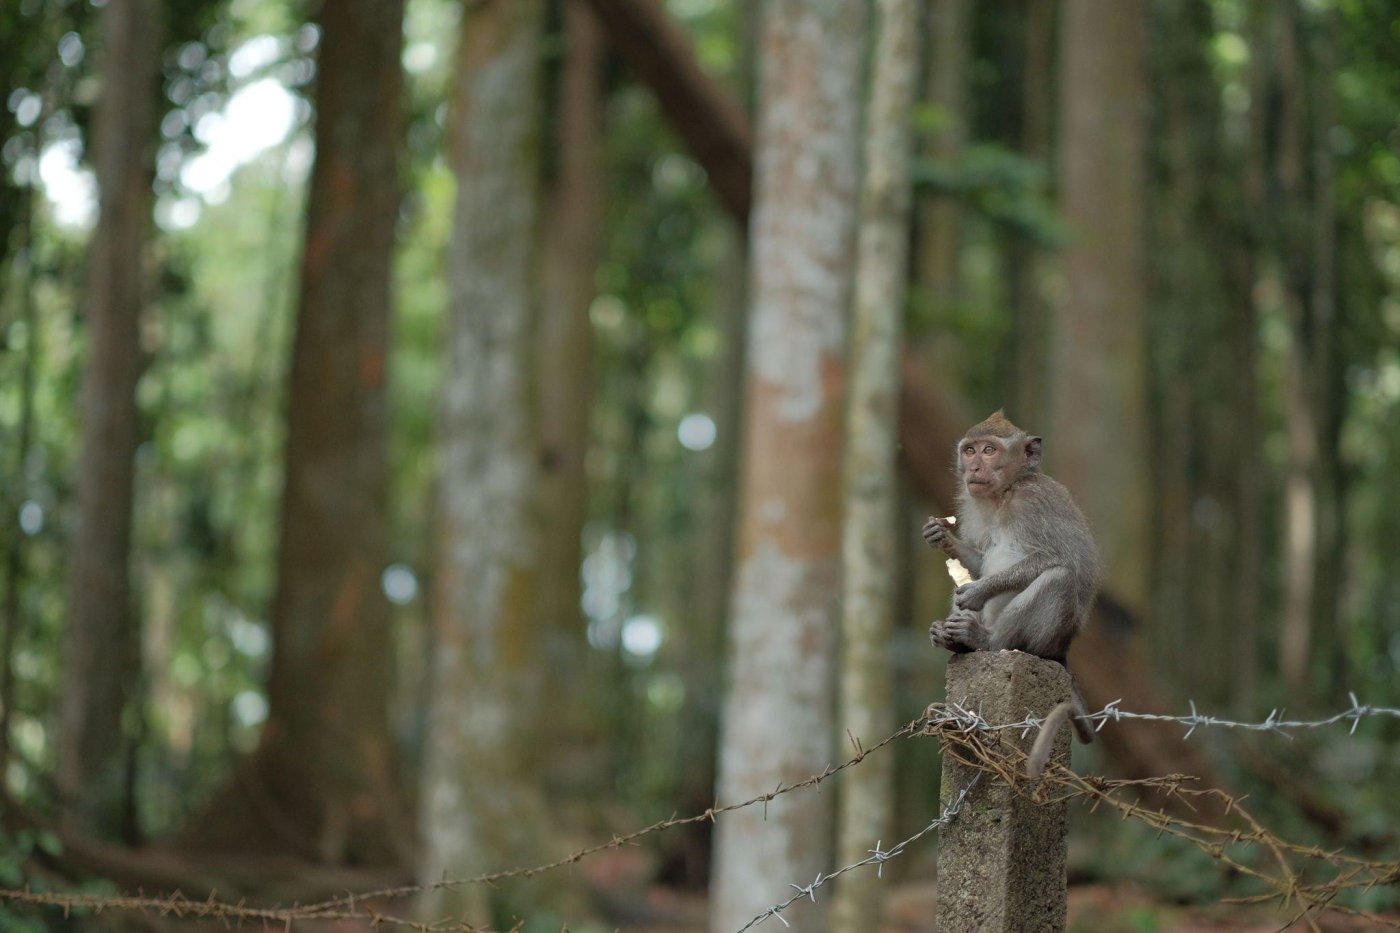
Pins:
x: 778, y: 719
x: 871, y: 489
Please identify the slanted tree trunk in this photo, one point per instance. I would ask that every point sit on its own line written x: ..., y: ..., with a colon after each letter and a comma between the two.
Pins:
x: 481, y: 801
x: 323, y: 781
x: 778, y: 721
x: 871, y: 486
x: 710, y: 121
x: 1098, y: 376
x: 100, y: 653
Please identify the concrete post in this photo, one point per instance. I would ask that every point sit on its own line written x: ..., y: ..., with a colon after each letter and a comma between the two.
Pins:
x: 1001, y: 863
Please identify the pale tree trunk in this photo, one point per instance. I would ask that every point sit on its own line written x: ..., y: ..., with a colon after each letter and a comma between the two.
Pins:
x: 871, y: 487
x: 1097, y: 438
x: 572, y: 232
x: 778, y: 721
x: 100, y: 653
x: 481, y: 804
x: 324, y: 779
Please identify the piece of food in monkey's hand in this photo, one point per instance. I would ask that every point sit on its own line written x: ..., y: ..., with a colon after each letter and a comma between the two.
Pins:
x: 958, y: 572
x: 950, y: 521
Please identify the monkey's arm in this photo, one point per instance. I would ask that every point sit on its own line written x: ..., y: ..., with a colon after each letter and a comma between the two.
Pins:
x: 1011, y: 580
x: 940, y: 536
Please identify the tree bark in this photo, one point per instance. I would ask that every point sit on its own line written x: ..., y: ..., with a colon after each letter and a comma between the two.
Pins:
x: 1026, y: 262
x: 572, y: 231
x: 949, y: 47
x: 1098, y: 347
x: 1304, y: 256
x: 871, y: 487
x: 16, y: 564
x: 324, y: 779
x: 481, y: 804
x: 100, y: 655
x: 778, y: 721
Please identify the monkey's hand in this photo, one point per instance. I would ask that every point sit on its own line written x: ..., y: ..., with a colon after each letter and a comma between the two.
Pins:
x: 938, y: 634
x: 963, y: 629
x: 938, y: 535
x: 972, y: 596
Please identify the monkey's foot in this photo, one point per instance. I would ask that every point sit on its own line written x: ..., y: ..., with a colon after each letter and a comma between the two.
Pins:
x: 963, y: 627
x: 941, y: 637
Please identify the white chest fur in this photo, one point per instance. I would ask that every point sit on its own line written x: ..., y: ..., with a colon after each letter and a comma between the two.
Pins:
x: 999, y: 555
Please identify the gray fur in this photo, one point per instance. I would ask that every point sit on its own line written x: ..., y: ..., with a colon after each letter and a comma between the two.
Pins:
x: 1034, y: 564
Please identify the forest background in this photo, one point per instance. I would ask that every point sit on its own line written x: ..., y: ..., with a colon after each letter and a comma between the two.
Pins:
x: 426, y: 455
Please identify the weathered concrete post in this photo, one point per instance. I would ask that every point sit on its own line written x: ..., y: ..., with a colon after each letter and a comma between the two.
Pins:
x: 1001, y: 863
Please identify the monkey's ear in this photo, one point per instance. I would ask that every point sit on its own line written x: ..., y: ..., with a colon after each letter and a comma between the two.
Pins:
x: 1033, y: 452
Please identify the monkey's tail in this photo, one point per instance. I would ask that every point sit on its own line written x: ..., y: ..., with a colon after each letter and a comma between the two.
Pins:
x: 1073, y: 709
x: 1082, y: 727
x: 1045, y: 740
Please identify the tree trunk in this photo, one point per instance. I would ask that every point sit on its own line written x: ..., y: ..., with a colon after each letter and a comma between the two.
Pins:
x: 1329, y: 382
x: 324, y: 779
x: 778, y: 721
x: 100, y: 654
x: 871, y: 487
x: 1098, y: 377
x: 1195, y: 454
x: 481, y: 802
x: 1305, y: 262
x: 1026, y: 262
x: 949, y: 47
x: 572, y: 229
x: 16, y: 564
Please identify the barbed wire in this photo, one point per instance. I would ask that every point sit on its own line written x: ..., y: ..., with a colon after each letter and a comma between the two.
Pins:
x: 357, y: 906
x: 878, y: 857
x: 956, y: 713
x: 976, y: 743
x: 180, y: 907
x: 951, y: 722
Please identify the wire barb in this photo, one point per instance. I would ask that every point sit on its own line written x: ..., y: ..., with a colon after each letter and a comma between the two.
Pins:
x: 951, y: 722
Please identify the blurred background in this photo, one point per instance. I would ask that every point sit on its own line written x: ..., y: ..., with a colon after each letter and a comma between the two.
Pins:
x: 394, y: 395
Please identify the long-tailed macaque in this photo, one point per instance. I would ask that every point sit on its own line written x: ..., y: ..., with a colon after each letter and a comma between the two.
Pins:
x: 1033, y: 561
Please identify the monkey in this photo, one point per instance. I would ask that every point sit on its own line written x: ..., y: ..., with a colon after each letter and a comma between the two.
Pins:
x: 1035, y: 567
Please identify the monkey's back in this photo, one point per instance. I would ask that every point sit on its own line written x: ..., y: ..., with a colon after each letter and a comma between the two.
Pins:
x: 1050, y: 522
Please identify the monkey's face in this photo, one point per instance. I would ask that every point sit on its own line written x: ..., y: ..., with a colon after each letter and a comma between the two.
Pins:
x: 988, y: 464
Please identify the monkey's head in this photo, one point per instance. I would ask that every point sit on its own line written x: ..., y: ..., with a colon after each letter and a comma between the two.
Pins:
x: 994, y: 454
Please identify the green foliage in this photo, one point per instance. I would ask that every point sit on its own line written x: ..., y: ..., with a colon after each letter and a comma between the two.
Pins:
x: 997, y: 183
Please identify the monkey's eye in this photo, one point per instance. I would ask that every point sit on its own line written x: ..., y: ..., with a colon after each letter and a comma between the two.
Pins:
x: 969, y: 450
x: 988, y: 449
